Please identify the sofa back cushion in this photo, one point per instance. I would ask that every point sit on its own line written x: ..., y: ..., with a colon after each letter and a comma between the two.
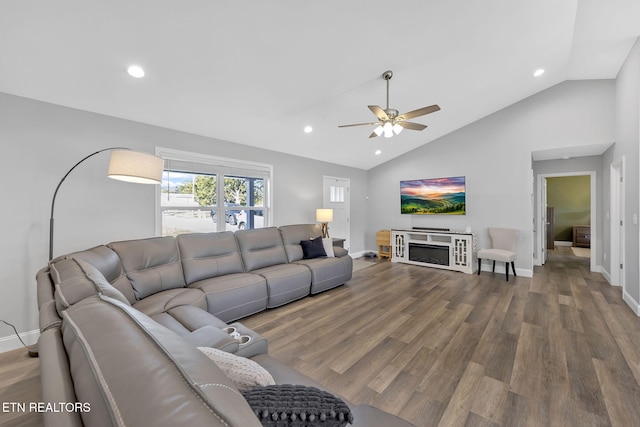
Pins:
x: 293, y: 234
x: 152, y: 265
x: 207, y: 255
x: 108, y: 263
x: 141, y: 373
x: 75, y: 280
x: 261, y: 247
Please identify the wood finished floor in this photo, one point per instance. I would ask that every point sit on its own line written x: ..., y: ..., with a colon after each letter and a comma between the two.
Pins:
x: 442, y: 348
x: 19, y: 382
x: 439, y: 348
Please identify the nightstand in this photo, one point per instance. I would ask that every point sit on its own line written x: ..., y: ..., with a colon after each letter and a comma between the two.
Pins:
x: 582, y: 236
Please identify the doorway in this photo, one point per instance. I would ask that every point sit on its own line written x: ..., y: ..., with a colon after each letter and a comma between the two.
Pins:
x: 541, y: 210
x: 336, y: 196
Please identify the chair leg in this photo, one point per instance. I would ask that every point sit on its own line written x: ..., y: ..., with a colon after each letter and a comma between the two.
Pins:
x: 506, y: 269
x: 513, y: 267
x: 479, y: 265
x: 494, y: 266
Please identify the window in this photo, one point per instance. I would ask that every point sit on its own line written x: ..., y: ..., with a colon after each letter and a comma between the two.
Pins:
x: 202, y: 193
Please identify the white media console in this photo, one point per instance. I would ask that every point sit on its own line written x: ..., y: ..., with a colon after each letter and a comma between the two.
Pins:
x: 450, y: 250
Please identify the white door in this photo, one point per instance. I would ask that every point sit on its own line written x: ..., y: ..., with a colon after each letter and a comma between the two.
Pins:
x: 545, y: 220
x: 336, y: 197
x: 617, y: 223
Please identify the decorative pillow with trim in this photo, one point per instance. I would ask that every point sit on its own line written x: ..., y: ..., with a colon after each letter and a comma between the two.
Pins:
x: 288, y: 405
x: 244, y: 373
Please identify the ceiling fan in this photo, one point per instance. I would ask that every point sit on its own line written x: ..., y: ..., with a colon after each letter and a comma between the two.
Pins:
x: 389, y: 121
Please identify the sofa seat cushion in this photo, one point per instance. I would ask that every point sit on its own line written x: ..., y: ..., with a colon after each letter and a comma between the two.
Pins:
x: 327, y: 273
x: 285, y: 283
x: 234, y: 296
x: 166, y: 300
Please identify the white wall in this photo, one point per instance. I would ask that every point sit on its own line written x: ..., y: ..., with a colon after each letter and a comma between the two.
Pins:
x: 494, y: 154
x: 41, y: 141
x: 627, y: 132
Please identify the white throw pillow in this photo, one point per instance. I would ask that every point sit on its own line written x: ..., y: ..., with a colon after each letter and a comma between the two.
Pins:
x: 244, y: 373
x: 327, y: 242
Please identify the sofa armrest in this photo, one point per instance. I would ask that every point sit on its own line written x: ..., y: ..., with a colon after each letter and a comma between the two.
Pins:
x: 340, y: 252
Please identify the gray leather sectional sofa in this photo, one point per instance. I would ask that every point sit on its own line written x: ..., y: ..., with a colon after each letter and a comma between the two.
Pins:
x: 120, y: 326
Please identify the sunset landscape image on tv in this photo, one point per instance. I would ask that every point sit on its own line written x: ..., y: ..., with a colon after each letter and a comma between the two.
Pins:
x: 433, y: 196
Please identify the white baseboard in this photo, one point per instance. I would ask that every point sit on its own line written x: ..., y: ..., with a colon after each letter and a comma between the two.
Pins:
x: 631, y: 302
x: 562, y: 243
x: 524, y: 272
x: 361, y: 253
x: 600, y: 269
x: 12, y: 342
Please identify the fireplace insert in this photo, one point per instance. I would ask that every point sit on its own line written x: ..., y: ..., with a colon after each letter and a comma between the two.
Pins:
x: 431, y: 254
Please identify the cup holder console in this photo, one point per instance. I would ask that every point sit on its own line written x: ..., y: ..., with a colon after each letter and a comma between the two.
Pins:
x: 233, y: 333
x: 244, y: 340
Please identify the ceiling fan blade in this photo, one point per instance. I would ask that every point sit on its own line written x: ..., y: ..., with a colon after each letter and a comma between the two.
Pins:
x: 359, y: 124
x: 419, y: 112
x: 379, y: 112
x: 373, y: 135
x: 412, y: 126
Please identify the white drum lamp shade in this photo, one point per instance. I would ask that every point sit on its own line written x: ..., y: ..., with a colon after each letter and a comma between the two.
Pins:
x: 134, y: 166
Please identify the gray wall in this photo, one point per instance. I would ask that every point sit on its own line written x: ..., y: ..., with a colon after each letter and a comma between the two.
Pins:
x: 494, y: 154
x: 41, y: 141
x: 627, y: 132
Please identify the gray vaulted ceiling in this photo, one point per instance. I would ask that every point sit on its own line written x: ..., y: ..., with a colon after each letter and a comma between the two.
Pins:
x: 258, y: 72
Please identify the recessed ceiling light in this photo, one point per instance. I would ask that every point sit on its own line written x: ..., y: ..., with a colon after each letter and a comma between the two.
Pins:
x: 378, y: 152
x: 538, y: 72
x: 308, y: 129
x: 135, y: 71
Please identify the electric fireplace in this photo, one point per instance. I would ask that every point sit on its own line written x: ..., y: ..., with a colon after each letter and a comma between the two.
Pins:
x: 430, y: 254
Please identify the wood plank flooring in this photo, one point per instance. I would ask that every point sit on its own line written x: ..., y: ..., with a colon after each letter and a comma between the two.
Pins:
x: 19, y: 383
x: 439, y: 348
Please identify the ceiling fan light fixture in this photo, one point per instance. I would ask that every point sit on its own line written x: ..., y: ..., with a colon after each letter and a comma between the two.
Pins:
x: 390, y: 122
x: 388, y: 130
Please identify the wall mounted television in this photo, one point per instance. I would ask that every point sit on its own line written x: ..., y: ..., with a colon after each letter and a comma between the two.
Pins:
x: 433, y: 196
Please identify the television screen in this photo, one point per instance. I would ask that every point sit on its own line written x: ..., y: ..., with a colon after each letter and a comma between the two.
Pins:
x: 433, y: 196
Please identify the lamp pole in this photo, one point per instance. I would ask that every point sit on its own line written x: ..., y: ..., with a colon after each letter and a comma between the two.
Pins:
x: 55, y: 193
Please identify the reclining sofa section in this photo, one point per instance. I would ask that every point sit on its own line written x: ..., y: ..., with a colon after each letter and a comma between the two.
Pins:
x: 231, y: 275
x: 120, y: 325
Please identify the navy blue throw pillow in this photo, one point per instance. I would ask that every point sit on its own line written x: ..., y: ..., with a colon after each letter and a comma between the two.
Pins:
x: 313, y: 248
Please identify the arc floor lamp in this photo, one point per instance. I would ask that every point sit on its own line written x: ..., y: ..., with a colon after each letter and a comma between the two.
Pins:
x: 125, y: 164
